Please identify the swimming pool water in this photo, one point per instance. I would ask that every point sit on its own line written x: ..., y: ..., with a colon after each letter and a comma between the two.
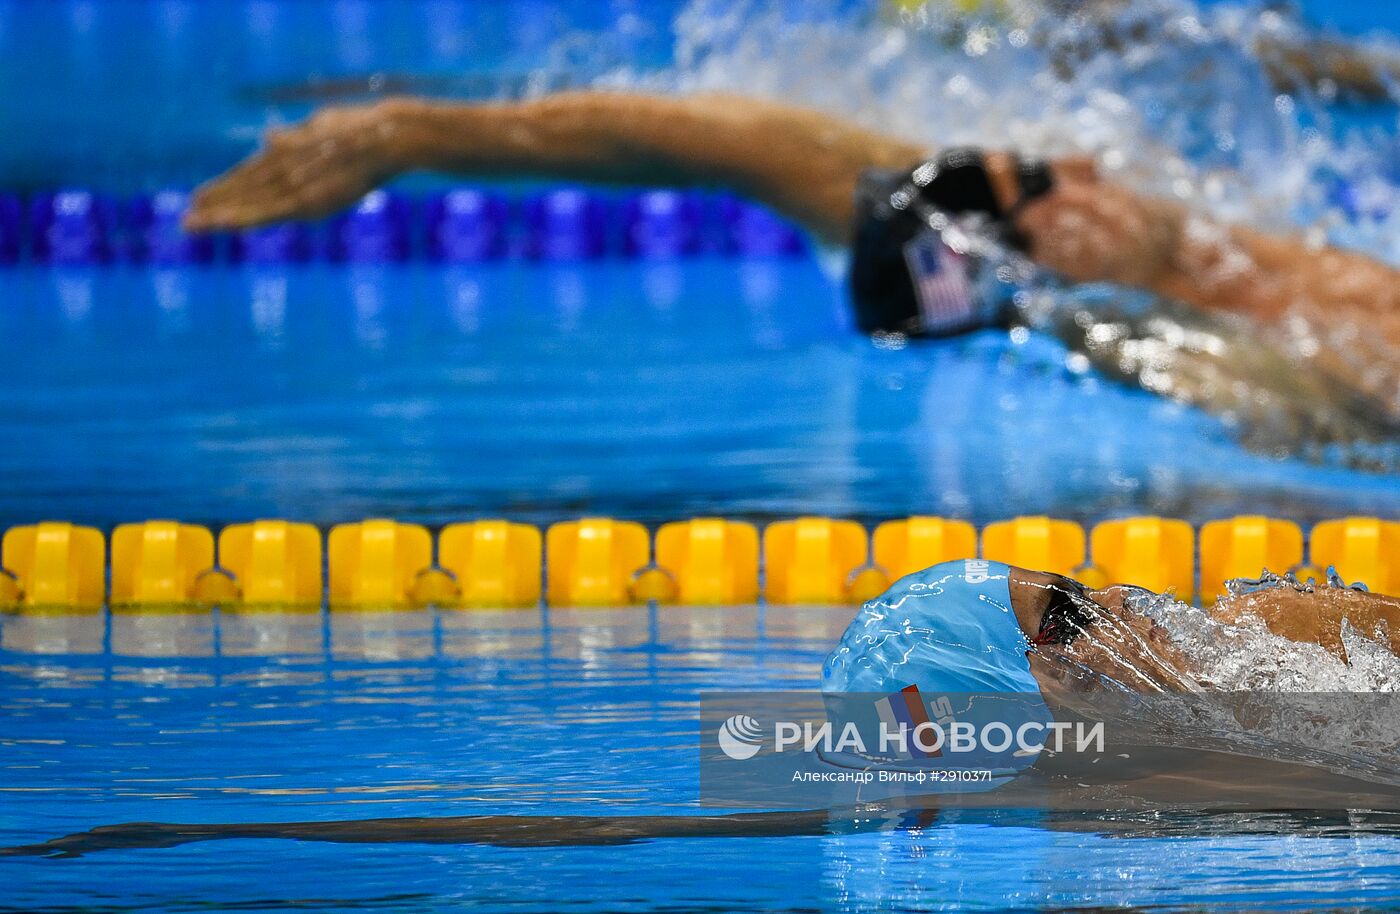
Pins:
x: 255, y: 717
x: 647, y: 390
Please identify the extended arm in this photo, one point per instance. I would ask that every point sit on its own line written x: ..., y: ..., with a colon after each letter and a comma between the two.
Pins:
x: 806, y: 164
x: 497, y: 830
x: 802, y: 162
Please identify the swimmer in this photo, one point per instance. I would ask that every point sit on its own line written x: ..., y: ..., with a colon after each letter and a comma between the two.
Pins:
x: 808, y: 165
x: 984, y: 627
x: 1234, y: 312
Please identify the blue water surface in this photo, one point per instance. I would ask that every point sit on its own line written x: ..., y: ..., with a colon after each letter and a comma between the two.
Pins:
x: 286, y: 717
x: 536, y: 391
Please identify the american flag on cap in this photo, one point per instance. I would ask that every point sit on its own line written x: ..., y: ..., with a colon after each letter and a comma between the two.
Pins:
x: 940, y: 282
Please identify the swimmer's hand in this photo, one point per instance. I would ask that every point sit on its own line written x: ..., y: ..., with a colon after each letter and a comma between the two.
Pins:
x: 307, y: 171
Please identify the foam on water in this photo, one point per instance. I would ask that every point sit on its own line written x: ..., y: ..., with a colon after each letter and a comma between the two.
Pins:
x: 1162, y: 672
x: 1247, y: 656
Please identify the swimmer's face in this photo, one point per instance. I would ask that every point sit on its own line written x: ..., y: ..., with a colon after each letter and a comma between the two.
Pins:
x: 1096, y: 631
x: 1051, y: 608
x: 1054, y: 609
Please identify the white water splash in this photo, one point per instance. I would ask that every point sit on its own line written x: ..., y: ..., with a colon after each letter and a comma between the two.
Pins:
x: 1278, y: 699
x: 1249, y: 657
x: 1170, y: 97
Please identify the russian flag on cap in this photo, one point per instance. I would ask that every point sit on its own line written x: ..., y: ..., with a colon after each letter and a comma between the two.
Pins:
x: 906, y: 709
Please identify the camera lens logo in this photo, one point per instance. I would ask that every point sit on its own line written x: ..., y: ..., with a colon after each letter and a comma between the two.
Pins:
x: 739, y: 737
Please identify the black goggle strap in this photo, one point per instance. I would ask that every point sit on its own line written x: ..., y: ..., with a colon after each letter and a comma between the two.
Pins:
x: 956, y: 182
x: 1033, y: 179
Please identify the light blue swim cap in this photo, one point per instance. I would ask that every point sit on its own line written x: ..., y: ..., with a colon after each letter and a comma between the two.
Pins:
x: 949, y: 628
x: 941, y: 646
